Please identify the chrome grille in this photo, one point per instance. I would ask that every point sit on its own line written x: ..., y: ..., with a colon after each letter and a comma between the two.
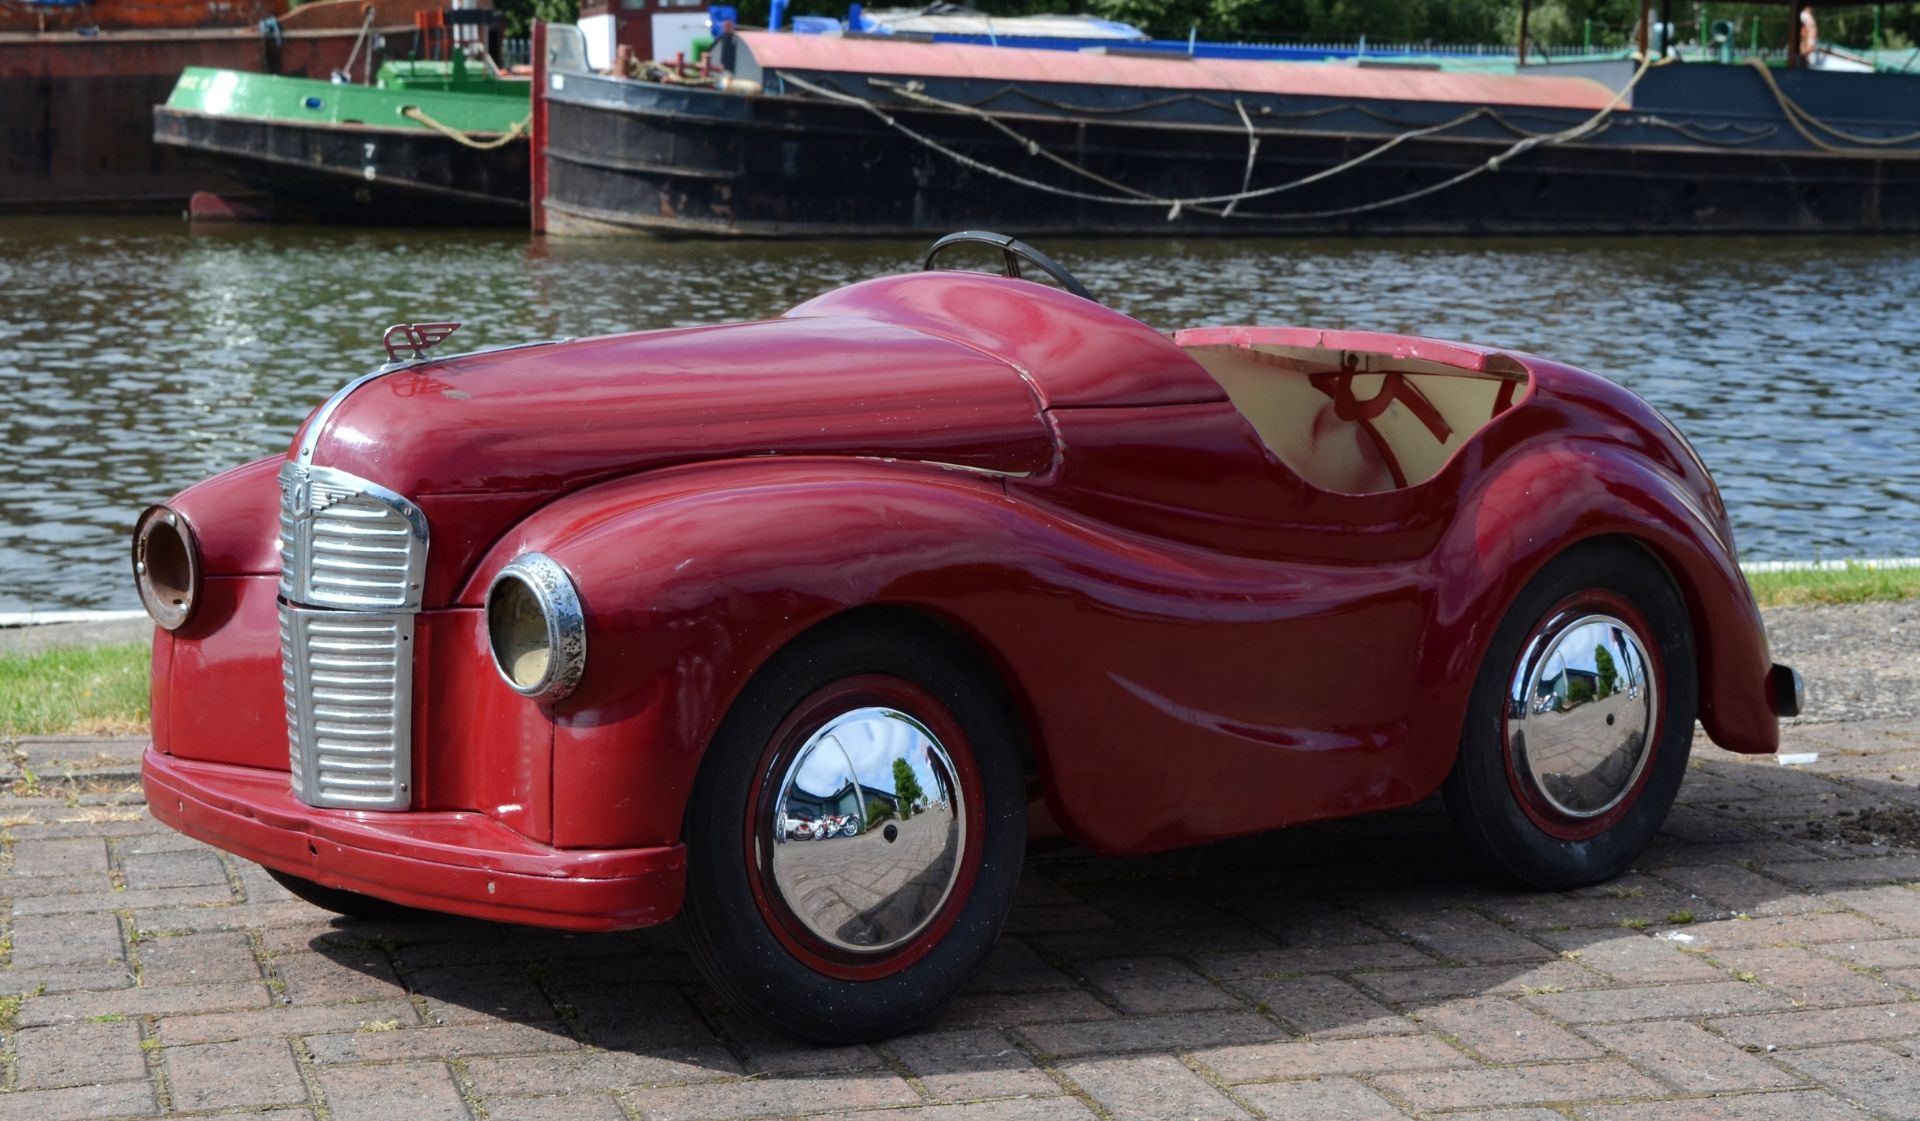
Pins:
x: 346, y: 542
x: 352, y: 555
x: 349, y: 693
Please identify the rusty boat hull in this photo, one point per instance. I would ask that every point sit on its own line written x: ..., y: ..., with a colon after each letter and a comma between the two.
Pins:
x: 80, y: 85
x: 1700, y: 150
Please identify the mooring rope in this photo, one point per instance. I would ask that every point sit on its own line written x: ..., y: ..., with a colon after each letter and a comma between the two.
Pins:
x: 1201, y: 203
x: 415, y: 113
x: 1796, y: 114
x: 1143, y: 198
x: 345, y: 73
x: 1696, y: 131
x: 1253, y: 153
x: 1139, y: 197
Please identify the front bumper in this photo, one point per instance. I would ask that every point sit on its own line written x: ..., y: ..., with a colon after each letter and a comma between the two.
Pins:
x: 458, y: 862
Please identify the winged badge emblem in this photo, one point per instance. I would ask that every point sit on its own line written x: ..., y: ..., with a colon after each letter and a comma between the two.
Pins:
x: 301, y: 498
x: 415, y: 339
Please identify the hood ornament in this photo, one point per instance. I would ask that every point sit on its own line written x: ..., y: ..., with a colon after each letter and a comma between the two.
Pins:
x: 418, y: 338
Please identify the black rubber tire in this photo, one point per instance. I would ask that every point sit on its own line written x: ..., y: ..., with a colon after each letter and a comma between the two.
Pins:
x: 725, y: 930
x: 1484, y: 807
x: 340, y: 901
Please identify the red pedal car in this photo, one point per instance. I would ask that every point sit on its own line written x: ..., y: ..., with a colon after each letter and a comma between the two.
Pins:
x: 570, y: 634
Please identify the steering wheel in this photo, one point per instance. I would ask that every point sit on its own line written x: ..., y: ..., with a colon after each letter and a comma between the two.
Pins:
x: 1015, y: 251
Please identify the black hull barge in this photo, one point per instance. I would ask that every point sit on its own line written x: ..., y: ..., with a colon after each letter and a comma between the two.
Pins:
x: 322, y: 173
x: 433, y: 144
x: 882, y: 139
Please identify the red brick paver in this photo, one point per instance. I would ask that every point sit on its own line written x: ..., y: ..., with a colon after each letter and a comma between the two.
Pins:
x: 1749, y: 968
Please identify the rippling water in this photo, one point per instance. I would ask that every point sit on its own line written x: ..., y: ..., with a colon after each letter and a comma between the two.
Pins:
x: 136, y: 357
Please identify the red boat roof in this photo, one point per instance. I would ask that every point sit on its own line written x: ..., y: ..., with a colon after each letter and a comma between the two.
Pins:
x: 813, y: 53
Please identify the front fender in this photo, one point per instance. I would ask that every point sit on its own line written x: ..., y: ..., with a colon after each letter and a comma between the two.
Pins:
x: 235, y: 517
x: 1553, y: 495
x: 690, y: 579
x: 230, y: 648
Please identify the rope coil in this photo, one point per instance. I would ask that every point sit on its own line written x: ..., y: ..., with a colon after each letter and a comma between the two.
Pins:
x: 415, y: 113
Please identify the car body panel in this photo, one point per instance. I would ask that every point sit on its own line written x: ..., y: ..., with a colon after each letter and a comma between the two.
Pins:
x: 1198, y: 641
x: 460, y: 863
x: 481, y: 440
x: 549, y: 418
x: 1073, y: 352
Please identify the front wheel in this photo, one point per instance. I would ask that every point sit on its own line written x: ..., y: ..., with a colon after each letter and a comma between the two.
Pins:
x: 1580, y: 722
x: 863, y: 935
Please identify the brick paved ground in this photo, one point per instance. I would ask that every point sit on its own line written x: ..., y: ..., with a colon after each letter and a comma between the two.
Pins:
x: 1359, y: 971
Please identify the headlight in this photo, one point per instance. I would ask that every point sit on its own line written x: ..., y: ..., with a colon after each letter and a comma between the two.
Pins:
x: 536, y: 628
x: 166, y: 566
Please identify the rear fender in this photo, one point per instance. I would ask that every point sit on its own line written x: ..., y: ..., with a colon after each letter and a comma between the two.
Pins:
x: 1556, y: 494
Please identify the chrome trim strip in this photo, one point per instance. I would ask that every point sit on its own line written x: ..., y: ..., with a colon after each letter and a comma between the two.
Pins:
x: 310, y: 438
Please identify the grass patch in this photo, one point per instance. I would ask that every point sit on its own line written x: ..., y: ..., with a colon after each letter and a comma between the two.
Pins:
x: 87, y: 691
x: 1855, y: 583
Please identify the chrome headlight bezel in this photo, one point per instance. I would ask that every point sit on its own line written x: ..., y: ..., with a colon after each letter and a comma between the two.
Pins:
x: 166, y: 566
x: 536, y: 581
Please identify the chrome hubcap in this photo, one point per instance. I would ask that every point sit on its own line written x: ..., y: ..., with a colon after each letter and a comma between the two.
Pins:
x: 866, y: 832
x: 1580, y: 714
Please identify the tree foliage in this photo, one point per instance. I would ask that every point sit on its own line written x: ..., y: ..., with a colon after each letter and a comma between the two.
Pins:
x: 1609, y: 676
x: 906, y: 788
x: 520, y: 14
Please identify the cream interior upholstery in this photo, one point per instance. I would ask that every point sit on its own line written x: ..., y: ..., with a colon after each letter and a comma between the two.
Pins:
x: 1274, y: 388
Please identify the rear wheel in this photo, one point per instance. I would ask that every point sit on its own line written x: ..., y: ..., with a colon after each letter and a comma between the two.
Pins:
x: 866, y: 933
x: 1581, y: 720
x: 339, y: 900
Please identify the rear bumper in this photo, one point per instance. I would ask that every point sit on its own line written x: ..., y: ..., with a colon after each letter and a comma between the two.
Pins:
x: 1789, y: 692
x: 459, y: 862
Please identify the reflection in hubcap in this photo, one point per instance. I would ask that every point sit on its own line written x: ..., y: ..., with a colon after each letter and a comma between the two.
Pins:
x: 1580, y: 714
x: 866, y: 832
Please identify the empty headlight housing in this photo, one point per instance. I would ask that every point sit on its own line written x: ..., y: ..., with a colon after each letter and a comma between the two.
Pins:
x: 535, y: 627
x: 166, y: 566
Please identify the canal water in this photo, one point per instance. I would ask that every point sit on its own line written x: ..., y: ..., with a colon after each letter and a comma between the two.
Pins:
x: 137, y: 357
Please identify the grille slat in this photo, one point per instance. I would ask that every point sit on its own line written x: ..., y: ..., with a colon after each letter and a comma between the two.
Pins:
x: 346, y: 542
x: 350, y: 745
x: 352, y: 555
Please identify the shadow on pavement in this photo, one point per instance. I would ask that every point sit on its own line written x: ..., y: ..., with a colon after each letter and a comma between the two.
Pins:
x: 1765, y: 894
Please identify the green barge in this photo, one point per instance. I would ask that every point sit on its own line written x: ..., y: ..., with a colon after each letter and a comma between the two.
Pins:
x: 430, y: 143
